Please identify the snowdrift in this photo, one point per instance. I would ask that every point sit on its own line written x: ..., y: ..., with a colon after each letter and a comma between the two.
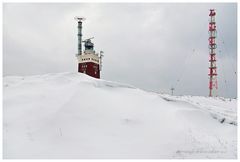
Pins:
x: 71, y: 115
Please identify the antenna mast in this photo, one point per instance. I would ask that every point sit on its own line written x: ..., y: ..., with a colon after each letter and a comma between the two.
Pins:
x: 213, y: 86
x: 172, y: 89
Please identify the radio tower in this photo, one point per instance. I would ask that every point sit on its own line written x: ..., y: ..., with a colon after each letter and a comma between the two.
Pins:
x: 213, y: 86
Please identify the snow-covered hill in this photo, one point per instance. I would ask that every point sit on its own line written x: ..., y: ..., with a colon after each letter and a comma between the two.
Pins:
x: 71, y: 115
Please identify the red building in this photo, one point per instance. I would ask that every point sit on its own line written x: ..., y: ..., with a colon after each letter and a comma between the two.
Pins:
x: 89, y: 61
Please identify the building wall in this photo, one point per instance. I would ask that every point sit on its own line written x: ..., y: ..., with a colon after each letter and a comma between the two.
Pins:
x: 88, y: 57
x: 89, y: 68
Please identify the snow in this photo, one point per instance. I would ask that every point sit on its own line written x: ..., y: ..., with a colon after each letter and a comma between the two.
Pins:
x: 71, y: 115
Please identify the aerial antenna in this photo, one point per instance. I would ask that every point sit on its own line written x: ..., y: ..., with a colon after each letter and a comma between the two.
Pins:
x: 172, y: 89
x: 101, y: 56
x: 78, y: 18
x: 88, y: 39
x: 213, y: 84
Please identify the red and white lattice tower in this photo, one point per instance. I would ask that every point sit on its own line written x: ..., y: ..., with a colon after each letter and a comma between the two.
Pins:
x: 213, y: 86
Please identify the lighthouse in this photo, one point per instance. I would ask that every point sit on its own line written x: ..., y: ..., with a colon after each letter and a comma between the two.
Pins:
x: 89, y: 61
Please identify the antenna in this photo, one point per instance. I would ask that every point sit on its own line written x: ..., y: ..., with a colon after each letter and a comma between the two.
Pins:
x: 172, y: 89
x: 88, y: 39
x: 101, y: 56
x: 213, y: 85
x: 78, y: 18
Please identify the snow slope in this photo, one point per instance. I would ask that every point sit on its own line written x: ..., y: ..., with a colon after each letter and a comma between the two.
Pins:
x: 71, y: 115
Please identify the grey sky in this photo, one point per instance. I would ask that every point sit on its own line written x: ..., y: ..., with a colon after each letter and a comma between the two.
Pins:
x: 150, y: 46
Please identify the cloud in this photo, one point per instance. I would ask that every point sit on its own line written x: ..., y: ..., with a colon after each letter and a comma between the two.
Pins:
x: 149, y: 45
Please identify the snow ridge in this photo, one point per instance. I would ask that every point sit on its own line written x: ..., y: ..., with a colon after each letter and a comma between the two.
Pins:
x: 220, y: 108
x: 71, y: 116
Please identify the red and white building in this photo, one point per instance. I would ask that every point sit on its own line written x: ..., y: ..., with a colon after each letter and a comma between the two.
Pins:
x: 89, y: 61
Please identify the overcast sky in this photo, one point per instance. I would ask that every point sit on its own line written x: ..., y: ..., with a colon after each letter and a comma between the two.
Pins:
x: 151, y: 46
